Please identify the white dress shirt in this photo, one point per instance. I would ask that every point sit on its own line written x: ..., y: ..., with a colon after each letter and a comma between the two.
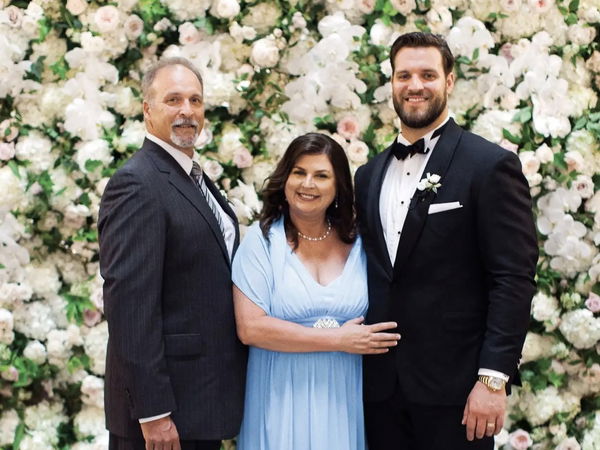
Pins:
x: 399, y: 185
x: 229, y: 228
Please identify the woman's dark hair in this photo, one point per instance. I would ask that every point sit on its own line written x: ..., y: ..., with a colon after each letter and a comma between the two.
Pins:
x: 418, y: 39
x: 340, y: 212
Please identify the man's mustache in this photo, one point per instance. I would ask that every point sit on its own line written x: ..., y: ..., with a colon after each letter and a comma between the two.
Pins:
x: 182, y: 122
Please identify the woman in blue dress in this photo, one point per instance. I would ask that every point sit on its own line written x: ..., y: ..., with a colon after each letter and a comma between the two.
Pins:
x: 300, y: 295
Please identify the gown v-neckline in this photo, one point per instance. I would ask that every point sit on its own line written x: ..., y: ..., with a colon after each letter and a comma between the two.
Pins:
x: 296, y: 258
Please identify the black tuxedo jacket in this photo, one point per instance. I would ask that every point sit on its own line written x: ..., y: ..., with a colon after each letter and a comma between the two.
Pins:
x: 168, y: 302
x: 462, y: 282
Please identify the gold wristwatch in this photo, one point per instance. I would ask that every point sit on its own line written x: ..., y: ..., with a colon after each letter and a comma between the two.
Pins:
x: 494, y: 384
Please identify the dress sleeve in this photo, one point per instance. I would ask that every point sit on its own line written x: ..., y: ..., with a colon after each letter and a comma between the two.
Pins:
x: 252, y: 270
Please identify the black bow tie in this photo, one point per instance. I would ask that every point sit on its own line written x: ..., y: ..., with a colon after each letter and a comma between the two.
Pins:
x: 401, y: 151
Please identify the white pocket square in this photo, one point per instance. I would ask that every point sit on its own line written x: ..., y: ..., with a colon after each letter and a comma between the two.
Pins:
x: 439, y: 207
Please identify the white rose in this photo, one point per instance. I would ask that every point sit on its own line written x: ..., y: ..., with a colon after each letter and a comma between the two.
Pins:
x: 134, y: 26
x: 9, y: 421
x: 530, y: 162
x: 574, y: 160
x: 357, y: 152
x: 213, y: 169
x: 36, y: 352
x: 265, y: 53
x: 584, y: 186
x: 188, y: 34
x: 225, y: 9
x: 6, y: 327
x: 107, y: 18
x: 544, y: 154
x: 76, y: 7
x: 581, y: 34
x: 580, y: 328
x: 380, y: 33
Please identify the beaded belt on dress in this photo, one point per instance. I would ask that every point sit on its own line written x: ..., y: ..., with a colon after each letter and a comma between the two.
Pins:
x: 320, y: 321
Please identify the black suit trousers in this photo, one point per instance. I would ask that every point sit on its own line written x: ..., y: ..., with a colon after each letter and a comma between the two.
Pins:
x: 397, y: 424
x: 119, y: 443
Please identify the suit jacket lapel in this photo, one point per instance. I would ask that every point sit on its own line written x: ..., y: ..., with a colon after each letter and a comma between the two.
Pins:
x: 373, y: 211
x: 225, y: 205
x: 438, y: 163
x: 186, y: 186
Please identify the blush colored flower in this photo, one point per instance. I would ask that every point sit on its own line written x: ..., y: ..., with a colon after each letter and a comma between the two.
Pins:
x: 107, y: 18
x: 348, y: 127
x: 7, y: 150
x: 133, y: 27
x: 242, y: 158
x: 593, y: 302
x: 520, y: 440
x: 76, y: 7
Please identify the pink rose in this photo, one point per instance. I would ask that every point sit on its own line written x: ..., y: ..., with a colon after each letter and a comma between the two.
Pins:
x: 593, y: 303
x: 188, y: 34
x: 107, y: 18
x: 242, y: 158
x: 91, y: 317
x: 10, y: 374
x: 541, y: 6
x: 7, y: 150
x: 14, y: 15
x: 76, y: 7
x: 12, y: 132
x: 348, y: 128
x: 366, y: 6
x: 520, y: 440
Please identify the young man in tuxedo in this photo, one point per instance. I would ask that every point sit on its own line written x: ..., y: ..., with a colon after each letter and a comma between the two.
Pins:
x: 446, y: 221
x: 175, y: 370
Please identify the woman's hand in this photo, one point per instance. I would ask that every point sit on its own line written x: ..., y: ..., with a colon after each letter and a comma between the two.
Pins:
x: 355, y: 337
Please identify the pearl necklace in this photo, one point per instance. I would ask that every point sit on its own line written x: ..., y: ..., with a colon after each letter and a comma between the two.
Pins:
x: 318, y: 238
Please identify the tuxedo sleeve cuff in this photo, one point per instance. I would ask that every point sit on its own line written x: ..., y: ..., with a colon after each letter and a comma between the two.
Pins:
x: 150, y: 419
x: 493, y: 373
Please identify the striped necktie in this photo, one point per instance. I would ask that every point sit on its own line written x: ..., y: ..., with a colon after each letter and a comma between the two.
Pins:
x: 197, y: 177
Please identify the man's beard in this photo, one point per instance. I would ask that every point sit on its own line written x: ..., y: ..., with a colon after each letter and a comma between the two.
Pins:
x: 421, y: 119
x: 184, y: 141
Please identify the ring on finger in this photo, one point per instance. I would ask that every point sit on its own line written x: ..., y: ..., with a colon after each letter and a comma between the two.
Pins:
x: 491, y: 425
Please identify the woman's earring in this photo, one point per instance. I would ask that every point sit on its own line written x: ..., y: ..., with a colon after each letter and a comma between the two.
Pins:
x: 335, y: 205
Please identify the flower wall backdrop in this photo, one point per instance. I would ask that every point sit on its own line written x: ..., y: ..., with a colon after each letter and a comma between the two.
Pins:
x: 528, y: 79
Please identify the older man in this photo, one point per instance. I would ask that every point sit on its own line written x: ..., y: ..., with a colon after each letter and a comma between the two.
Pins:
x: 175, y: 368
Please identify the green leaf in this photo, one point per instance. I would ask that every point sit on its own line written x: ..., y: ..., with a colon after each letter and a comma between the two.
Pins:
x: 2, y: 266
x: 19, y: 435
x: 524, y: 115
x: 475, y: 54
x: 15, y: 168
x: 421, y: 24
x: 36, y: 69
x: 463, y: 60
x: 60, y: 68
x: 84, y: 199
x: 205, y: 24
x: 46, y: 183
x: 571, y: 19
x: 511, y: 137
x: 580, y: 123
x: 574, y: 6
x: 559, y: 161
x: 92, y: 164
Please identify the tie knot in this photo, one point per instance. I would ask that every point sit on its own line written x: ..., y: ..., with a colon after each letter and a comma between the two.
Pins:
x: 401, y: 151
x: 196, y: 170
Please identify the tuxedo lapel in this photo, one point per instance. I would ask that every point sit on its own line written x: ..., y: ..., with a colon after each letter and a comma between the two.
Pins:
x: 438, y: 163
x: 186, y: 187
x: 374, y: 213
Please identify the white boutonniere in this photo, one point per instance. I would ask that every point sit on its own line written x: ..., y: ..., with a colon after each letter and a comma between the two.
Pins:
x: 430, y: 183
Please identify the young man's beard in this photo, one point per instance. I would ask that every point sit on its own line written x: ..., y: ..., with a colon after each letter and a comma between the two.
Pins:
x: 421, y: 120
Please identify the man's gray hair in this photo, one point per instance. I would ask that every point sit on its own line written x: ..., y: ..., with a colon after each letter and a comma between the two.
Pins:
x: 150, y: 75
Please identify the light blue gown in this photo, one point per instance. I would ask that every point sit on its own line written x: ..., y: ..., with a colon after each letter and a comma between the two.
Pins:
x: 300, y: 401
